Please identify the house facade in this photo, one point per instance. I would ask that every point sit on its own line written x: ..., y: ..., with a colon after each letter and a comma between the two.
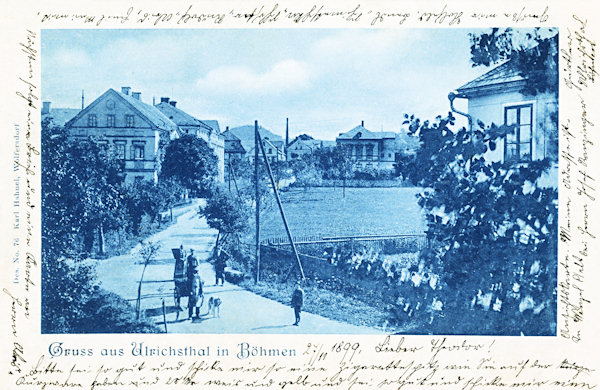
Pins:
x: 233, y: 148
x: 496, y: 97
x: 208, y: 130
x: 273, y: 151
x: 368, y: 149
x: 137, y: 131
x: 302, y: 145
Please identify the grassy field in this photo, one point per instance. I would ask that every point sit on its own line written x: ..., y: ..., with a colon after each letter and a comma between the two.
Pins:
x: 363, y: 211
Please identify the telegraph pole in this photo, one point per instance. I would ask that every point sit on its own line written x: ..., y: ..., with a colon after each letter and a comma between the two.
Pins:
x: 257, y: 201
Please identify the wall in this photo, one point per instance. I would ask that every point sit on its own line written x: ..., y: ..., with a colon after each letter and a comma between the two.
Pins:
x: 490, y: 109
x: 140, y: 133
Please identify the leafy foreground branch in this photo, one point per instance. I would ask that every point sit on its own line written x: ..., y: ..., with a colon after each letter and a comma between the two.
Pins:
x: 492, y: 229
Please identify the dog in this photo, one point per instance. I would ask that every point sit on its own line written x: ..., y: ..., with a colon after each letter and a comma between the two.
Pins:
x: 214, y: 306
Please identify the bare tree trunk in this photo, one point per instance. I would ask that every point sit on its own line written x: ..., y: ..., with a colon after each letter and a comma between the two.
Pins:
x: 101, y: 239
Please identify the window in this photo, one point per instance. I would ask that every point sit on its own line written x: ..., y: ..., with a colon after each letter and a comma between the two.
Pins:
x: 110, y: 121
x: 128, y: 120
x: 270, y: 151
x: 92, y: 120
x: 518, y: 141
x: 369, y: 152
x: 359, y: 151
x: 138, y: 151
x: 120, y: 149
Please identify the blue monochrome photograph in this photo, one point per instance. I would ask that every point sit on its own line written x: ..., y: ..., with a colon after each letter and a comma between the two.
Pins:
x: 300, y: 181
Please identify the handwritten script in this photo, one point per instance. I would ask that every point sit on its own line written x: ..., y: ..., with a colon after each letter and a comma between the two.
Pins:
x: 272, y: 14
x: 392, y: 363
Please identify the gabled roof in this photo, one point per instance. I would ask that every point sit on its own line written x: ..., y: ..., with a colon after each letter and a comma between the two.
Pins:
x: 310, y: 142
x: 60, y: 116
x: 213, y: 124
x: 360, y: 132
x: 180, y: 117
x: 150, y: 113
x: 502, y: 75
x: 234, y: 146
x: 229, y: 136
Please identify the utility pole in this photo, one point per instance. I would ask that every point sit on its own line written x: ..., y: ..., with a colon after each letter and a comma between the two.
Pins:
x: 287, y: 137
x: 285, y: 224
x: 256, y: 201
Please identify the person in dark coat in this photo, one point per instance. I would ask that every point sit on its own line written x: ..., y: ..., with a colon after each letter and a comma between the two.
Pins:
x: 297, y: 301
x: 195, y: 299
x: 192, y: 264
x: 220, y: 264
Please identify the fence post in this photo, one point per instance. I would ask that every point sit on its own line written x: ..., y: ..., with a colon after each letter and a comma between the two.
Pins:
x: 164, y: 315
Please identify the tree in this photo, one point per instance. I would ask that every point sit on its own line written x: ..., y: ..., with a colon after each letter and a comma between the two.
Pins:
x: 226, y: 212
x: 147, y: 252
x: 191, y: 162
x: 532, y: 53
x: 492, y: 230
x: 81, y: 197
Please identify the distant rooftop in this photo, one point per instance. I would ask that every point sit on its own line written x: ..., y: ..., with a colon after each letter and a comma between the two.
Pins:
x: 360, y: 132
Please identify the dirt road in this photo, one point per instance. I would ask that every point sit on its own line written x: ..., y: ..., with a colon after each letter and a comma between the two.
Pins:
x: 241, y: 311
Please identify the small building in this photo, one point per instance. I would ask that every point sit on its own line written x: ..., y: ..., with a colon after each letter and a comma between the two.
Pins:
x: 273, y: 151
x: 137, y: 131
x: 233, y: 147
x: 496, y: 97
x: 369, y: 149
x: 302, y: 145
x: 208, y: 130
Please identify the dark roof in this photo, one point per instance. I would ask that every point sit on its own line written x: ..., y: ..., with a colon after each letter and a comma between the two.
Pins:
x: 360, y: 132
x: 180, y: 117
x: 213, y: 124
x: 150, y: 112
x: 234, y: 146
x: 501, y: 75
x: 60, y: 116
x: 246, y: 135
x: 229, y: 136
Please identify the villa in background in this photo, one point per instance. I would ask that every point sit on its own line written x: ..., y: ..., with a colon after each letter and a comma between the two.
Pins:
x: 369, y: 149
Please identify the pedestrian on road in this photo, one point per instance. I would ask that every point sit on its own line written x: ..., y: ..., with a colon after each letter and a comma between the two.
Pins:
x: 195, y: 300
x: 297, y: 300
x: 220, y: 264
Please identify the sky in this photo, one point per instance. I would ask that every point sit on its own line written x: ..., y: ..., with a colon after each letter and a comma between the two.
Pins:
x: 325, y: 81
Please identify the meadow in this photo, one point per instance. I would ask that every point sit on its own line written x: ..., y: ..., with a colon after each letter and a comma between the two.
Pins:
x: 363, y: 211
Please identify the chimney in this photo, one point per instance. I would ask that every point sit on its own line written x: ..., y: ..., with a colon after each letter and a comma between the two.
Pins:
x: 45, y: 108
x: 362, y: 123
x: 173, y: 103
x: 125, y: 90
x: 136, y: 95
x: 226, y: 128
x: 164, y: 100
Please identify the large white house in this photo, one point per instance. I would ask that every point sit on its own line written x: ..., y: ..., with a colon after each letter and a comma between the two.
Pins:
x: 496, y: 97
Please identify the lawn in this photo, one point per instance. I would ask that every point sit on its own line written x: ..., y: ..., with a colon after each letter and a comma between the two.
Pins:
x: 363, y: 211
